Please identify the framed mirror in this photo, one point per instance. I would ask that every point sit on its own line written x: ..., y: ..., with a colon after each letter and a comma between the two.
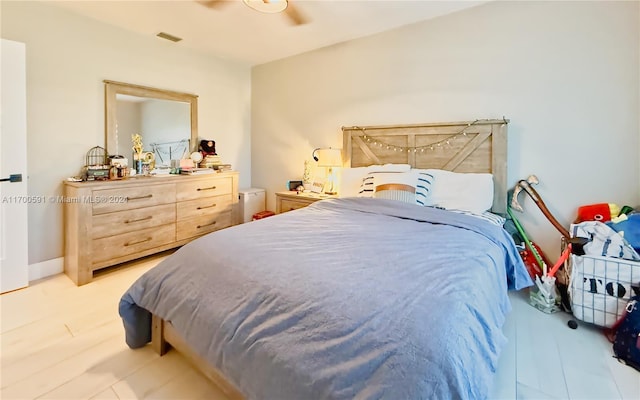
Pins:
x: 166, y: 120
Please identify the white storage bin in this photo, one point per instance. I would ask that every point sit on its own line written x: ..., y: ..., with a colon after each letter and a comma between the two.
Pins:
x: 252, y: 200
x: 600, y: 287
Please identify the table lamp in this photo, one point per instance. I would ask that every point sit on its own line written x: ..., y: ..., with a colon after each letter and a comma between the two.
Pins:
x: 329, y: 158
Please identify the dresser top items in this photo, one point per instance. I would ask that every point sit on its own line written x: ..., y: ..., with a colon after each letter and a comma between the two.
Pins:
x: 149, y: 180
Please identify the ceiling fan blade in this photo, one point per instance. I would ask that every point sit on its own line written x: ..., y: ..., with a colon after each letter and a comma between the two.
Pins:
x: 294, y: 16
x: 213, y: 3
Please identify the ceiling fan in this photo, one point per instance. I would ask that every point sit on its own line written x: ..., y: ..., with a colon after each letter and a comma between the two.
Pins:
x: 266, y: 6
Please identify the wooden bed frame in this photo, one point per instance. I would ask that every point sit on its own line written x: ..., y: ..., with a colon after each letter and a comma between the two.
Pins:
x: 164, y: 336
x: 468, y: 146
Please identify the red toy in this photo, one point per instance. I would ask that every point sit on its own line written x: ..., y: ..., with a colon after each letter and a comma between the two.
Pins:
x: 262, y: 214
x: 531, y: 262
x: 594, y: 212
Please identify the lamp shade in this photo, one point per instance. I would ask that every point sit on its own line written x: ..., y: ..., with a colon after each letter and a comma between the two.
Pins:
x: 329, y: 157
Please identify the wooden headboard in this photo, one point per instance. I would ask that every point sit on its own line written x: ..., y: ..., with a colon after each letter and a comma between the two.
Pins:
x: 467, y: 146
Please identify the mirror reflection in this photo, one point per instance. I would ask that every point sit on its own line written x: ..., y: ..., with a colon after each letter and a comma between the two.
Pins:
x: 166, y: 121
x: 164, y: 125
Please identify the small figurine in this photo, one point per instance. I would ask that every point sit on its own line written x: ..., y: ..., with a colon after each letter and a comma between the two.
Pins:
x: 137, y: 149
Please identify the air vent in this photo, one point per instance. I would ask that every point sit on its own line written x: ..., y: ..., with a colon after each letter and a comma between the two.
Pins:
x: 167, y: 36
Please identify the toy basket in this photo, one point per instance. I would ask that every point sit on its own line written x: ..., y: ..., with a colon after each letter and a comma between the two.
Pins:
x: 600, y: 287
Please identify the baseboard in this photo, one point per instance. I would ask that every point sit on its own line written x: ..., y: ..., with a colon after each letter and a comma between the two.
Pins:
x: 46, y: 268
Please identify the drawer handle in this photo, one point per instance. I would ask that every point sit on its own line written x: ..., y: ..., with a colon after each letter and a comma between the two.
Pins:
x: 138, y: 220
x: 211, y: 206
x: 138, y: 242
x: 140, y: 197
x: 207, y: 188
x: 202, y: 226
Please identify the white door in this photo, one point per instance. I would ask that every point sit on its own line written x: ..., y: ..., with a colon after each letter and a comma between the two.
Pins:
x: 14, y: 268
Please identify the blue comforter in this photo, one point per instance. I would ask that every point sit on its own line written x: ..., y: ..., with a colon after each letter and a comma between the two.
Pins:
x: 347, y: 298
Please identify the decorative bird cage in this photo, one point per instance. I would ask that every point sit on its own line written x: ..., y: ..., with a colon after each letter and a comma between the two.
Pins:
x: 96, y: 165
x: 96, y: 156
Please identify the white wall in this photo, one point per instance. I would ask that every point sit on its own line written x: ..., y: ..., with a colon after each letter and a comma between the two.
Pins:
x: 68, y: 57
x: 564, y: 73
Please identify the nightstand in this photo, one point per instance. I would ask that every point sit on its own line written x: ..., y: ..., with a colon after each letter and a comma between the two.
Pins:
x: 287, y: 201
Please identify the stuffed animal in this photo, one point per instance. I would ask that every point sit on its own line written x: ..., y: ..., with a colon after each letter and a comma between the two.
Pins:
x: 208, y: 147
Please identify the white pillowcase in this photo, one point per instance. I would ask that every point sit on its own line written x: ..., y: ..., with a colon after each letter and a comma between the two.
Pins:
x: 351, y: 178
x: 389, y: 168
x: 461, y: 191
x: 350, y: 181
x: 374, y: 179
x: 419, y: 183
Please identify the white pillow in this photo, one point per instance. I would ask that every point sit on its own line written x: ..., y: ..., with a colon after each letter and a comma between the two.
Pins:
x: 389, y: 168
x: 351, y: 178
x: 423, y: 190
x: 461, y: 191
x: 411, y: 187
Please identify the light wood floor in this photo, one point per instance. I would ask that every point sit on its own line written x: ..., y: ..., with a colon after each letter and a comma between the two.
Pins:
x: 59, y: 341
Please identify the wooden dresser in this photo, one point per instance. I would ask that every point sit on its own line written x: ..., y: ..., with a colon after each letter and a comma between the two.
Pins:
x: 109, y: 222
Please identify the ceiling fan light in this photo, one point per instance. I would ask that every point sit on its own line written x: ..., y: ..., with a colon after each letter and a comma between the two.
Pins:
x: 267, y: 6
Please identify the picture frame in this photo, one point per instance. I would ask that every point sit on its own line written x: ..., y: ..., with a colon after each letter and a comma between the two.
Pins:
x: 317, y: 187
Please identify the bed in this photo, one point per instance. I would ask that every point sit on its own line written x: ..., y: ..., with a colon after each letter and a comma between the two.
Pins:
x: 353, y: 297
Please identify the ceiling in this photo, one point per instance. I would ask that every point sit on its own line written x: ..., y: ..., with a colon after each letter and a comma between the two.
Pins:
x: 234, y: 31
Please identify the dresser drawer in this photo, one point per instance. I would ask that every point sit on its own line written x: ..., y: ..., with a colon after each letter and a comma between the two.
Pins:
x: 197, y: 189
x: 119, y: 222
x: 132, y: 242
x: 119, y: 199
x: 205, y: 206
x: 197, y: 226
